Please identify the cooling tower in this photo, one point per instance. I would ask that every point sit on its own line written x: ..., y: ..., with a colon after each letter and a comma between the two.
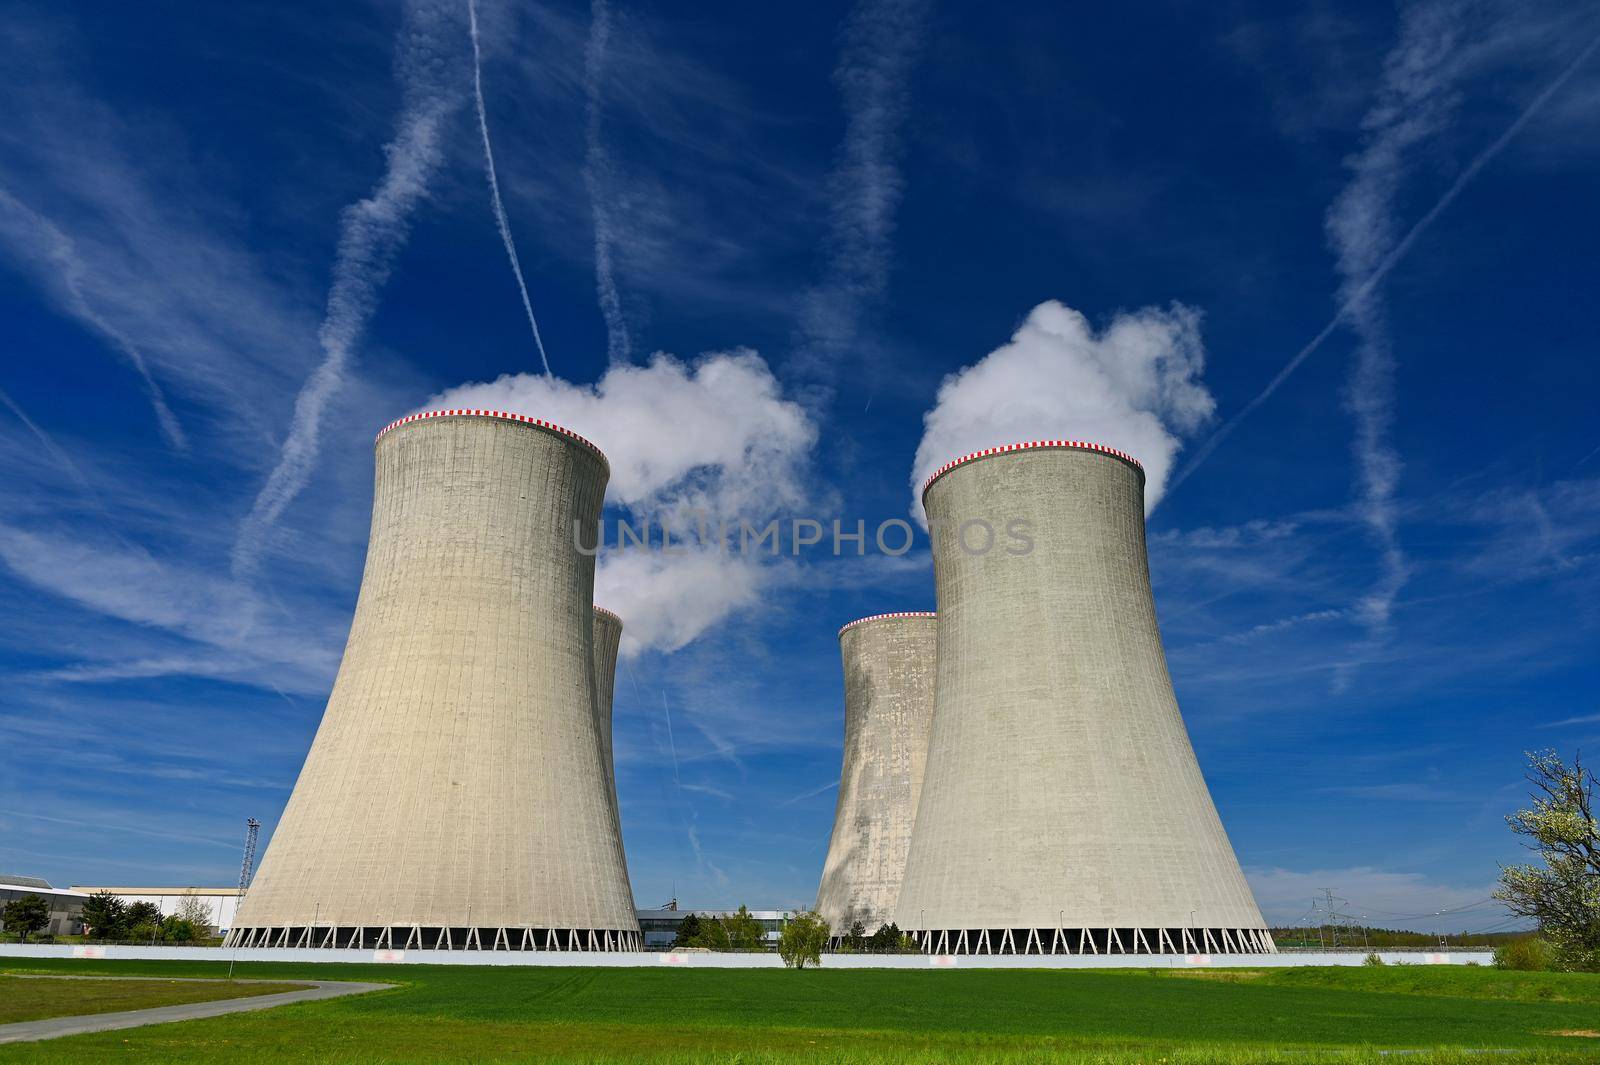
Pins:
x: 1062, y: 807
x: 888, y: 704
x: 456, y: 794
x: 607, y: 637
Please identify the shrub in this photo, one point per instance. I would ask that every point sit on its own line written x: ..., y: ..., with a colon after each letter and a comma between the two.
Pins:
x: 1372, y: 959
x: 1525, y: 955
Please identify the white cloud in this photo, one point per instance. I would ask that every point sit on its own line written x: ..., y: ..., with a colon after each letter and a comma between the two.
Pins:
x: 1134, y: 386
x: 715, y: 435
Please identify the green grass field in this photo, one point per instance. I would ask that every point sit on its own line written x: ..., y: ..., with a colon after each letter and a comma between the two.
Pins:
x: 871, y: 1016
x: 22, y: 999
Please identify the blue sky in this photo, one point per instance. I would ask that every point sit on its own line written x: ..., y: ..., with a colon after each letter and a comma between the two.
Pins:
x: 235, y: 240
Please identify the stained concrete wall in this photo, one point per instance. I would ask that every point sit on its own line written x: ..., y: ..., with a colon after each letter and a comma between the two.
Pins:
x: 607, y: 638
x: 888, y: 705
x: 457, y: 776
x: 1061, y: 789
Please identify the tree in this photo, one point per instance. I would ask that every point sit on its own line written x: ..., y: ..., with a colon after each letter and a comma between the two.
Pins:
x: 178, y: 930
x: 855, y: 940
x: 195, y: 910
x: 886, y: 940
x: 25, y: 916
x: 803, y: 939
x: 713, y: 935
x: 105, y: 916
x: 688, y: 932
x: 1564, y: 895
x: 744, y: 931
x: 141, y: 913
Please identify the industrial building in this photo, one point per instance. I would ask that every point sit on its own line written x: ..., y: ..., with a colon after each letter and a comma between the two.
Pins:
x: 458, y: 791
x: 660, y: 925
x: 66, y: 905
x: 1062, y: 808
x: 889, y: 662
x: 221, y: 901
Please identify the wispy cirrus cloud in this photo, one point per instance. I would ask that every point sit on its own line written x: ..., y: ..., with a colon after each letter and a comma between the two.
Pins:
x: 880, y: 43
x: 372, y: 232
x: 598, y: 179
x: 1415, y: 102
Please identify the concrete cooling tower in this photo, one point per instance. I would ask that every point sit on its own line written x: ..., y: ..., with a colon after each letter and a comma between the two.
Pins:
x: 457, y: 792
x: 1062, y: 808
x: 607, y: 638
x: 888, y: 704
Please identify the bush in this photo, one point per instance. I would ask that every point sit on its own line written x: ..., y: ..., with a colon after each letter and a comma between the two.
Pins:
x: 1372, y: 959
x: 1525, y: 955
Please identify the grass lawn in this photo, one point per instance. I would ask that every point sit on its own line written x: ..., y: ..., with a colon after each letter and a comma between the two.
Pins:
x: 673, y: 1016
x: 22, y: 999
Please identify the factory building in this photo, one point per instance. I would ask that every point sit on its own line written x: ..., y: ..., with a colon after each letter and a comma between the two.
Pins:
x: 888, y: 706
x: 458, y: 791
x: 1062, y: 808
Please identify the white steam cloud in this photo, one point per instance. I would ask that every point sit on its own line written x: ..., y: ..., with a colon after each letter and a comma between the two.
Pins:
x: 713, y: 436
x: 372, y: 232
x: 500, y: 220
x: 1134, y: 385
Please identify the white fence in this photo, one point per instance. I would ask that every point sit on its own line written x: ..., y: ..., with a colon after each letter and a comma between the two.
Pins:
x: 697, y: 960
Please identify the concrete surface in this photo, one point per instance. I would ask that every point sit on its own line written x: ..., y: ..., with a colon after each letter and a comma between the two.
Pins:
x: 56, y: 1027
x: 1061, y: 790
x: 457, y: 778
x: 888, y: 705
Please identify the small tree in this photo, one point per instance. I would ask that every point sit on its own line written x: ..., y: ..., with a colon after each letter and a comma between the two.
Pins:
x: 25, y: 916
x: 195, y: 910
x: 855, y: 940
x: 1561, y: 827
x: 688, y: 932
x: 803, y: 939
x: 105, y: 916
x: 744, y: 931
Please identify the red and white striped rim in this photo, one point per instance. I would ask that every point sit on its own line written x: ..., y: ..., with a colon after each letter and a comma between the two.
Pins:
x: 504, y: 415
x: 608, y: 613
x: 1079, y: 445
x: 881, y: 617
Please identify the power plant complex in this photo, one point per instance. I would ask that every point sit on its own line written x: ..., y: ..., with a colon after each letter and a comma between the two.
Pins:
x: 1016, y: 777
x: 1060, y: 807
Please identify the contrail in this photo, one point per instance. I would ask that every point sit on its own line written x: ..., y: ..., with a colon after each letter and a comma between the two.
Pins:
x: 1412, y: 105
x: 670, y: 740
x: 879, y: 46
x: 494, y: 184
x: 1389, y: 262
x: 596, y: 178
x: 371, y: 233
x: 72, y: 271
x: 47, y: 442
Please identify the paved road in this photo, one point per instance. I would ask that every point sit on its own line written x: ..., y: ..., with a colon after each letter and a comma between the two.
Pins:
x: 55, y: 1027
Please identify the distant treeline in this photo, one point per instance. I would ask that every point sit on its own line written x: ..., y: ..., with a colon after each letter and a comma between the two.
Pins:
x: 1355, y: 937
